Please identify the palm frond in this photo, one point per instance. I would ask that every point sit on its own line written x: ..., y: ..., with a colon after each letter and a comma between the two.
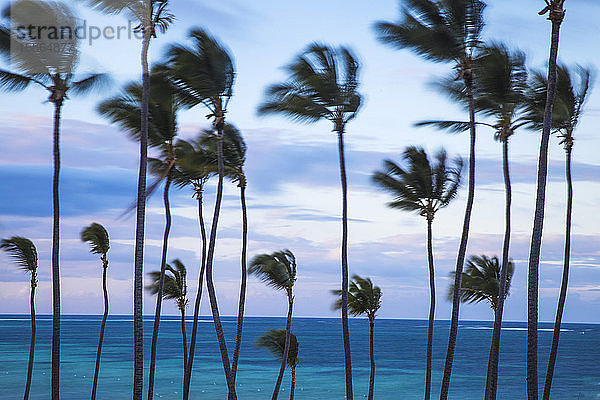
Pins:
x: 450, y: 126
x: 277, y: 269
x: 22, y: 251
x: 97, y: 236
x: 91, y: 83
x: 363, y: 297
x: 274, y: 342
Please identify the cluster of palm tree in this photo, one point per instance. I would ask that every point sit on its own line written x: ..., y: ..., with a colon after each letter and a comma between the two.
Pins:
x: 490, y: 81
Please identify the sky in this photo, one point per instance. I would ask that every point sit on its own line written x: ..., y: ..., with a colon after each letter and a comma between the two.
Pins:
x: 293, y: 195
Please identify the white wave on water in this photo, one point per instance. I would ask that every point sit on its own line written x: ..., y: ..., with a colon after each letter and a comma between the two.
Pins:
x: 489, y: 328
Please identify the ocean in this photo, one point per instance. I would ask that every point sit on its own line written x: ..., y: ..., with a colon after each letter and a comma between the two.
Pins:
x: 399, y: 352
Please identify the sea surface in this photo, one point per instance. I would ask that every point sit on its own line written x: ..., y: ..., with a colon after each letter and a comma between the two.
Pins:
x: 399, y: 351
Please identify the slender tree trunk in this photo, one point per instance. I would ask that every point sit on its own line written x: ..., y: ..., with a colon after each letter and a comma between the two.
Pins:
x: 188, y: 371
x: 55, y: 257
x: 565, y: 281
x: 462, y: 248
x: 138, y: 274
x: 209, y: 261
x: 286, y: 347
x: 102, y: 326
x: 32, y: 339
x: 293, y: 385
x: 372, y: 355
x: 345, y: 330
x: 161, y: 285
x: 538, y: 221
x: 184, y: 339
x: 491, y: 383
x: 431, y: 309
x: 240, y: 321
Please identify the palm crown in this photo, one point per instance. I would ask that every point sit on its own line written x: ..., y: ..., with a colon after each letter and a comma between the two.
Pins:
x: 322, y: 84
x: 97, y: 237
x: 277, y: 269
x: 23, y: 252
x: 363, y: 297
x: 274, y: 342
x: 175, y: 283
x: 480, y: 281
x: 421, y: 187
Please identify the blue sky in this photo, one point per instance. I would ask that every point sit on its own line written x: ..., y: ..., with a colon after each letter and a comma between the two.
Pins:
x: 293, y: 189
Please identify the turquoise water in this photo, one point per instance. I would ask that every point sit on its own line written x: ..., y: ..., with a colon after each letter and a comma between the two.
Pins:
x: 399, y: 347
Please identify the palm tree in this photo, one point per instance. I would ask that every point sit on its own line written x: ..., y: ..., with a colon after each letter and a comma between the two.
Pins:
x: 274, y: 341
x: 500, y: 84
x: 445, y: 31
x: 153, y: 17
x: 25, y: 255
x: 174, y: 287
x: 424, y: 188
x: 481, y: 281
x: 124, y: 110
x: 556, y: 16
x: 322, y: 85
x: 37, y: 64
x: 278, y: 270
x: 363, y: 299
x: 204, y: 74
x: 567, y: 111
x: 97, y: 237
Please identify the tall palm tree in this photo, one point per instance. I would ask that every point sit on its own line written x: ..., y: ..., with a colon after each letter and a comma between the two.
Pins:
x: 481, y: 281
x: 274, y: 342
x: 364, y: 298
x: 174, y: 287
x: 124, y: 110
x: 500, y: 85
x: 425, y: 188
x: 556, y: 16
x: 204, y: 74
x: 97, y: 237
x: 322, y: 85
x: 445, y: 31
x: 571, y: 95
x: 54, y: 72
x: 154, y: 17
x: 278, y: 270
x: 25, y: 255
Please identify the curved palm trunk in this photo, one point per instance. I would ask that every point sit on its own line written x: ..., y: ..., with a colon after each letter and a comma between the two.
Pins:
x: 431, y: 309
x: 32, y: 339
x: 184, y: 339
x: 345, y: 330
x: 55, y: 257
x: 462, y: 249
x: 102, y: 326
x: 190, y: 361
x: 491, y: 383
x: 138, y: 269
x: 538, y: 221
x: 209, y: 278
x: 372, y: 356
x: 286, y: 347
x: 240, y: 321
x: 293, y: 384
x: 161, y: 284
x: 565, y: 281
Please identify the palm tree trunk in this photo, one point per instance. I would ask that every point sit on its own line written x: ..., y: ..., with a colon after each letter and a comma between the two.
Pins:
x: 240, y: 321
x: 491, y: 383
x: 32, y: 339
x: 55, y: 257
x: 372, y: 355
x: 462, y: 248
x: 102, y: 325
x: 431, y: 309
x: 286, y: 347
x: 184, y: 339
x: 293, y: 385
x: 345, y: 330
x: 565, y: 281
x: 161, y: 284
x: 209, y: 261
x: 138, y: 274
x: 188, y: 371
x: 538, y: 221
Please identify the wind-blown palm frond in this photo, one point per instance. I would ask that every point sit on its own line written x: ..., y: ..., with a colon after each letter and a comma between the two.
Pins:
x: 23, y: 252
x: 449, y: 126
x: 277, y: 269
x: 363, y: 297
x: 97, y: 237
x: 274, y: 342
x: 481, y: 280
x: 234, y: 151
x: 175, y: 284
x: 90, y: 83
